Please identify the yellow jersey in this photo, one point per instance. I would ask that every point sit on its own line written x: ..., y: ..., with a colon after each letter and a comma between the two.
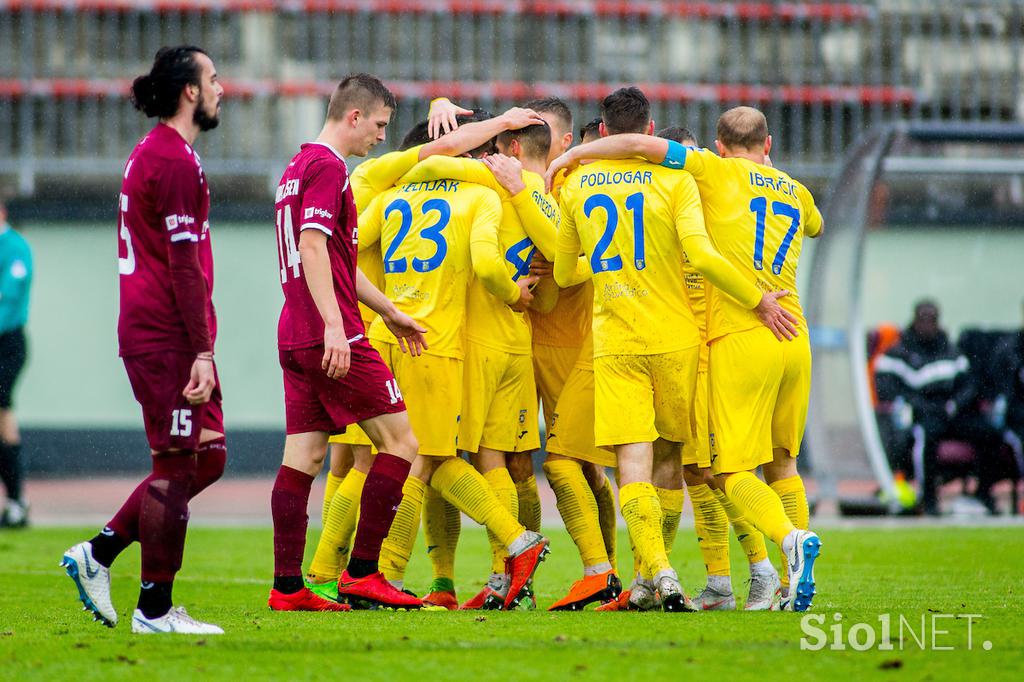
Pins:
x: 630, y: 217
x: 757, y: 217
x: 490, y: 322
x: 370, y: 178
x: 432, y: 236
x: 696, y: 293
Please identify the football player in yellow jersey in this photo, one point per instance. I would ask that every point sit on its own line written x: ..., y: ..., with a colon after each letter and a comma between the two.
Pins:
x: 574, y: 464
x: 759, y: 388
x: 558, y: 337
x: 633, y: 220
x: 434, y: 236
x: 350, y: 451
x: 499, y: 416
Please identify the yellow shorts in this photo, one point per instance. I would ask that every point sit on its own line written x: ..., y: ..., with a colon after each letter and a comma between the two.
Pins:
x: 696, y: 450
x: 499, y: 400
x: 758, y: 391
x: 431, y: 386
x: 572, y: 428
x: 551, y: 366
x: 354, y: 435
x: 639, y: 398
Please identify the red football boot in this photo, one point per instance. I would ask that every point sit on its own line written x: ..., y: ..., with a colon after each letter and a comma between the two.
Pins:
x: 520, y: 568
x: 303, y: 600
x: 374, y: 592
x: 489, y: 599
x: 443, y: 599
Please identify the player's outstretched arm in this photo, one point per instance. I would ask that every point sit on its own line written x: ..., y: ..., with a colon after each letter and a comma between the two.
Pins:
x: 625, y: 146
x: 454, y: 168
x: 408, y: 332
x: 540, y: 223
x: 723, y: 275
x: 472, y: 135
x: 486, y: 254
x: 316, y: 269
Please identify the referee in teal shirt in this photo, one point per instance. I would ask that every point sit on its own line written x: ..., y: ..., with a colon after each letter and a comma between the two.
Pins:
x: 15, y: 283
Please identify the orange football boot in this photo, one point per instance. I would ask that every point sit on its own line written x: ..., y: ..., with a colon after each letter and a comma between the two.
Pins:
x: 602, y: 587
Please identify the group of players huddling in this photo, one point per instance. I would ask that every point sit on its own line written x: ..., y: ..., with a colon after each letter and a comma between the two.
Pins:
x: 641, y: 288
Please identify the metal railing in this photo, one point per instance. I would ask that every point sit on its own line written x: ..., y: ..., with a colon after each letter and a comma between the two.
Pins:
x: 824, y: 72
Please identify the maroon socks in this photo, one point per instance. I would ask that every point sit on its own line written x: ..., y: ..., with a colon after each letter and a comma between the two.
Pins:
x: 288, y: 504
x: 163, y: 515
x: 382, y: 493
x: 123, y: 529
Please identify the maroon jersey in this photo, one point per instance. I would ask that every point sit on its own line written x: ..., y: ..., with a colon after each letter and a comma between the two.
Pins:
x: 164, y: 240
x: 314, y: 194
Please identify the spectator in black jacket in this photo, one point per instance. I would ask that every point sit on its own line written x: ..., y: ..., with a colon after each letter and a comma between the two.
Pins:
x: 926, y: 380
x: 1008, y: 410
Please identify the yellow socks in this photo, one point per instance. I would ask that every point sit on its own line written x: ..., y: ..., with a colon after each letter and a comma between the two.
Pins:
x: 332, y: 486
x: 759, y: 504
x: 336, y: 537
x: 397, y: 547
x: 712, y: 526
x: 750, y: 538
x: 794, y: 500
x: 464, y: 487
x: 607, y: 517
x: 442, y: 523
x: 642, y: 512
x: 529, y: 504
x: 578, y: 508
x: 671, y: 500
x: 505, y: 490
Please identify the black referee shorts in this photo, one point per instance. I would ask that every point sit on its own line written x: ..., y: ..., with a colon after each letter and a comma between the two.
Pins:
x: 13, y: 352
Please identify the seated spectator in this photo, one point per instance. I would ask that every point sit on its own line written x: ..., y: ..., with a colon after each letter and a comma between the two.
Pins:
x: 926, y: 380
x: 1008, y: 407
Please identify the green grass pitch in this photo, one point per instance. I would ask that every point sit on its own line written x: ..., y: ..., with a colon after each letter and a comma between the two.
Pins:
x: 863, y: 573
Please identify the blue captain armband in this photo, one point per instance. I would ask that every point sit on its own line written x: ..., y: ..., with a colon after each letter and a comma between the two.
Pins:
x: 676, y: 156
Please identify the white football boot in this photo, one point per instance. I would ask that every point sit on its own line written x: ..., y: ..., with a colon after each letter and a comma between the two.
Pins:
x: 765, y: 592
x: 802, y: 553
x: 174, y: 621
x: 93, y: 582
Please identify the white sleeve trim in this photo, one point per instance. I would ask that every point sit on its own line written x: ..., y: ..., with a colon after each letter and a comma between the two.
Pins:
x: 940, y: 370
x: 315, y: 226
x: 181, y: 236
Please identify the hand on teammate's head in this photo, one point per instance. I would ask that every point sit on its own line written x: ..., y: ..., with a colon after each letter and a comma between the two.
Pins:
x: 517, y: 117
x: 443, y: 117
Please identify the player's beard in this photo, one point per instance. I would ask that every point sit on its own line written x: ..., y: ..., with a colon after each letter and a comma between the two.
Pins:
x: 202, y: 119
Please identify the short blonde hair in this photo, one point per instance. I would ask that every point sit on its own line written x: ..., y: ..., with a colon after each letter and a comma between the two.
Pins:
x: 743, y: 127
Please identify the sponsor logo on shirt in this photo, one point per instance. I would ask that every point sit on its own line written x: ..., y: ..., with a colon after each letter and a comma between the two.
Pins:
x: 173, y: 222
x: 313, y: 212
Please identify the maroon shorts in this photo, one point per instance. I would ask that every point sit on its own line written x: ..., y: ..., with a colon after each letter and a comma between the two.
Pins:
x: 315, y: 402
x: 172, y: 423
